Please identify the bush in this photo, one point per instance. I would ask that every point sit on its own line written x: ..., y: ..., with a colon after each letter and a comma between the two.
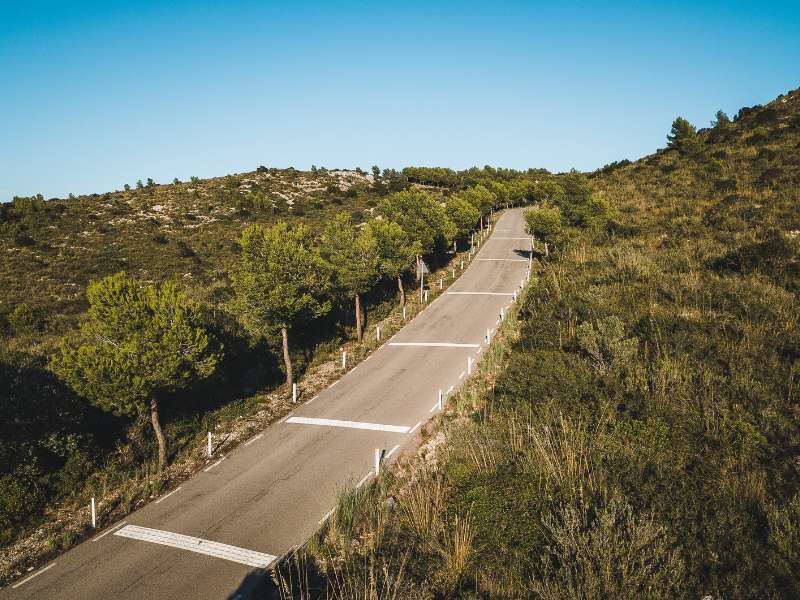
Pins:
x: 24, y: 319
x: 545, y: 224
x: 606, y: 345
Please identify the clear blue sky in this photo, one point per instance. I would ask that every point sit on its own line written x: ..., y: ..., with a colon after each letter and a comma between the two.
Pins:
x: 98, y: 94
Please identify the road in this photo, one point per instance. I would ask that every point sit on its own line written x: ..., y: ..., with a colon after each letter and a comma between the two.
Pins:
x: 203, y: 540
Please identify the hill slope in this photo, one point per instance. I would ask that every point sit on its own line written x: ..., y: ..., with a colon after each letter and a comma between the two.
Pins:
x: 636, y: 435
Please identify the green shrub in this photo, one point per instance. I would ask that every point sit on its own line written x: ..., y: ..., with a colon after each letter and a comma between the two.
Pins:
x: 24, y: 319
x: 605, y: 344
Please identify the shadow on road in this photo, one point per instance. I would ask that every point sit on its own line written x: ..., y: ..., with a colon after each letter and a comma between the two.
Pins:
x: 257, y: 584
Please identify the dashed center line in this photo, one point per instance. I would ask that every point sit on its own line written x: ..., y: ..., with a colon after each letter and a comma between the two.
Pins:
x: 235, y: 554
x: 348, y: 424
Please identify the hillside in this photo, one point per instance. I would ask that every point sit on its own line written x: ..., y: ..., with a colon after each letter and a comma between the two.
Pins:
x: 635, y: 435
x: 62, y: 443
x: 53, y: 248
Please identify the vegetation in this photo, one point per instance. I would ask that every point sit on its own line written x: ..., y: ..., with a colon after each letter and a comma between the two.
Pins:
x: 396, y: 251
x: 138, y: 342
x: 352, y: 257
x: 282, y: 282
x: 237, y: 261
x: 633, y: 431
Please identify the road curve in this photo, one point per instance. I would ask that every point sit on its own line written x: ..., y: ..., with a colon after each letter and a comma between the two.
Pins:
x: 203, y: 540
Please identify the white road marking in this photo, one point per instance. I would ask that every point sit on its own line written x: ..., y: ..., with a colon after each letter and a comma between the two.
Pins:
x: 333, y: 384
x: 251, y: 440
x: 287, y: 417
x: 434, y: 407
x: 479, y: 351
x: 504, y: 259
x: 435, y: 344
x: 392, y: 451
x: 192, y: 544
x: 314, y: 398
x: 107, y: 531
x: 414, y: 428
x: 462, y: 375
x: 326, y: 517
x: 364, y: 479
x: 207, y: 469
x: 348, y: 424
x: 29, y: 577
x: 450, y: 389
x: 165, y: 496
x: 480, y: 293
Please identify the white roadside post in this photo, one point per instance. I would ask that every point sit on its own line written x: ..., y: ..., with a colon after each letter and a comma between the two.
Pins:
x: 502, y: 310
x: 462, y: 264
x: 521, y: 283
x: 469, y: 365
x: 378, y: 453
x: 440, y: 404
x: 294, y: 393
x: 425, y: 296
x: 378, y: 333
x: 440, y: 283
x: 209, y: 444
x: 344, y: 360
x: 488, y: 336
x: 404, y: 313
x: 94, y: 514
x: 454, y: 272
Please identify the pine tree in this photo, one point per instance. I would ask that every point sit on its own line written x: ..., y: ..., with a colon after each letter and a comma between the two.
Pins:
x: 352, y: 257
x: 281, y: 282
x: 138, y: 342
x: 683, y: 137
x: 396, y: 252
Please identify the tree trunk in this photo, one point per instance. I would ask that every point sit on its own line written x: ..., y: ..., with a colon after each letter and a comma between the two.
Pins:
x: 402, y: 291
x: 162, y: 442
x: 359, y: 332
x: 287, y: 360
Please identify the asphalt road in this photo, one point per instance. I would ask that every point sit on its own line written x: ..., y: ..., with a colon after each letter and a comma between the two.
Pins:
x: 217, y: 529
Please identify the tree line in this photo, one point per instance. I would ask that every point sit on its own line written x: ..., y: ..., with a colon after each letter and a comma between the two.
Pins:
x: 141, y: 341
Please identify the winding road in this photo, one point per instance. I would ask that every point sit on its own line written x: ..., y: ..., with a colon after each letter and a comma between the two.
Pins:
x: 209, y: 536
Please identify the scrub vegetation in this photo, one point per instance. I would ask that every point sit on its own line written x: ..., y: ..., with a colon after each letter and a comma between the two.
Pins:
x: 633, y: 433
x: 136, y: 321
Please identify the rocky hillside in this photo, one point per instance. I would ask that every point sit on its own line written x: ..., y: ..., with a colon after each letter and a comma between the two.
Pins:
x: 52, y: 248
